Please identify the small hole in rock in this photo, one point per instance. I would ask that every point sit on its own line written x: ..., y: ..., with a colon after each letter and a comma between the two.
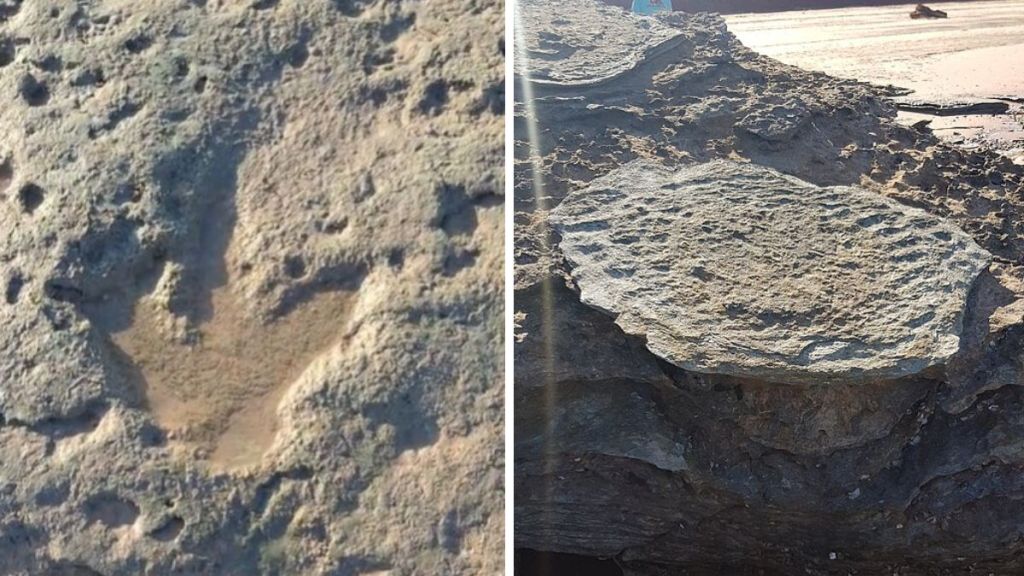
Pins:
x: 7, y: 52
x: 180, y: 67
x: 492, y: 99
x: 6, y: 175
x: 137, y: 44
x: 298, y: 55
x: 334, y: 226
x: 14, y: 286
x: 152, y: 436
x: 34, y: 92
x: 31, y: 197
x: 350, y: 8
x: 200, y: 85
x: 51, y: 63
x: 89, y: 77
x: 294, y: 267
x: 435, y: 96
x: 111, y: 510
x: 396, y: 259
x: 127, y: 193
x: 62, y: 291
x: 377, y: 96
x: 52, y: 495
x: 462, y: 221
x: 170, y: 530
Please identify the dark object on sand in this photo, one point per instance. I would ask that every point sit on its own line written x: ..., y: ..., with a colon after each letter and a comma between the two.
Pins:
x: 955, y: 108
x: 922, y: 125
x: 922, y: 11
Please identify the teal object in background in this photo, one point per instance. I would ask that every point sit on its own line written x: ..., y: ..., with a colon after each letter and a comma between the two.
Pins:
x: 651, y: 6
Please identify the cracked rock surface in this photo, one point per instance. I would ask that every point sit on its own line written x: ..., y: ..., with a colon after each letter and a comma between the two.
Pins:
x: 736, y: 269
x: 671, y: 468
x: 250, y: 287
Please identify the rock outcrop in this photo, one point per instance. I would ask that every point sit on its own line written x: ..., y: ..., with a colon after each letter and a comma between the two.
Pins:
x: 624, y: 451
x: 251, y: 279
x: 731, y: 268
x: 922, y: 11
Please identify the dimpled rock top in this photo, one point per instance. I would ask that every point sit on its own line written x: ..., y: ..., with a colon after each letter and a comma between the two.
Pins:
x: 601, y: 43
x: 737, y: 269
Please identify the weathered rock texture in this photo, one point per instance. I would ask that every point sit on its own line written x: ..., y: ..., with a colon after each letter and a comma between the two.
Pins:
x: 560, y: 52
x: 671, y: 470
x: 250, y: 287
x: 736, y: 269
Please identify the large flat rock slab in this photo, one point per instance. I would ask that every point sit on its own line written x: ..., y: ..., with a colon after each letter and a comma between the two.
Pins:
x: 600, y: 43
x: 738, y: 269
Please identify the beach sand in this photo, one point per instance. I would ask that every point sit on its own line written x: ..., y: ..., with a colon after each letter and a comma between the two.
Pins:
x: 974, y: 54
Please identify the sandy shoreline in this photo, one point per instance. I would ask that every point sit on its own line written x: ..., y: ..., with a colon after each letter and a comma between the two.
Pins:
x: 763, y: 6
x: 973, y: 55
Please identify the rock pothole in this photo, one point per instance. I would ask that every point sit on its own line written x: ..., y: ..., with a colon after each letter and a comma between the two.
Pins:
x: 33, y: 91
x: 169, y: 530
x: 111, y: 510
x: 31, y: 197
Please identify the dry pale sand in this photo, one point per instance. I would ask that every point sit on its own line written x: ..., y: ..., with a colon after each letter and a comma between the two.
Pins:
x: 975, y: 53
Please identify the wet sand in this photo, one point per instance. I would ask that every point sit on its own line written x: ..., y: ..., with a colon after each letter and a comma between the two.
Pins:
x: 977, y: 53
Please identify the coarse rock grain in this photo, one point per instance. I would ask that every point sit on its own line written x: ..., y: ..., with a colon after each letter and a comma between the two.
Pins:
x: 250, y: 287
x: 561, y: 52
x: 737, y: 269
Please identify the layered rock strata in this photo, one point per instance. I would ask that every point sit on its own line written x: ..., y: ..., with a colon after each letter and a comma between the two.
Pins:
x: 629, y: 445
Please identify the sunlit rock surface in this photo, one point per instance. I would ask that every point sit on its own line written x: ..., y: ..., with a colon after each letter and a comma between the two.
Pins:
x: 737, y: 269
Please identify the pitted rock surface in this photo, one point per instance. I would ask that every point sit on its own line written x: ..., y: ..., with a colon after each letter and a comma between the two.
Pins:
x: 560, y: 53
x: 251, y: 287
x: 737, y: 269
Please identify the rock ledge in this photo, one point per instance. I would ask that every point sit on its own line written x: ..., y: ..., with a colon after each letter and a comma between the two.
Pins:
x: 737, y: 269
